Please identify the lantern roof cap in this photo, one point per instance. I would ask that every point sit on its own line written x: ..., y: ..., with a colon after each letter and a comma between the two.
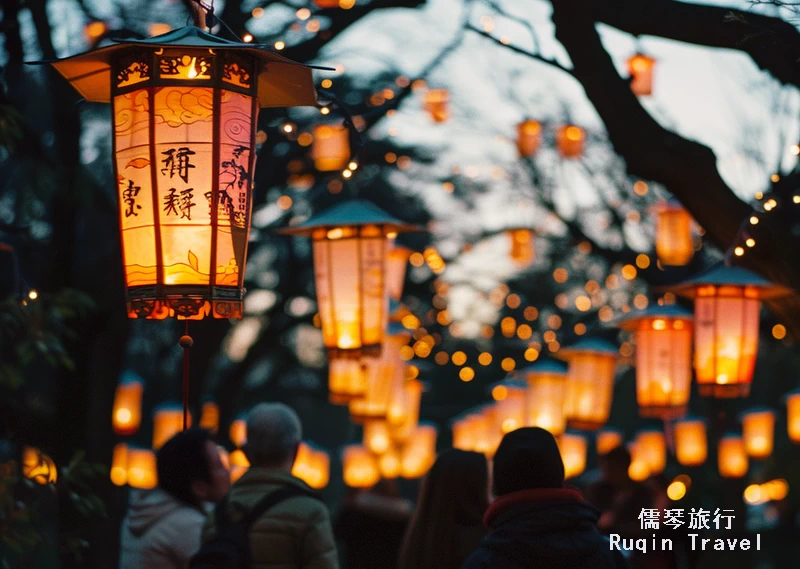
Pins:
x: 129, y: 376
x: 722, y: 275
x: 350, y: 212
x: 168, y: 406
x: 281, y: 81
x: 591, y: 345
x: 757, y: 410
x: 790, y: 394
x: 647, y: 430
x: 629, y: 321
x: 691, y: 419
x: 546, y: 366
x: 731, y: 435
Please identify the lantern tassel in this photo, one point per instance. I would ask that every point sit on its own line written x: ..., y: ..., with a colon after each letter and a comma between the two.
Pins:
x: 186, y: 343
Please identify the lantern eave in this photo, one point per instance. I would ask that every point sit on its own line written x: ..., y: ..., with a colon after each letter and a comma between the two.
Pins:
x: 667, y: 312
x: 547, y: 366
x: 349, y: 213
x: 590, y: 346
x: 731, y: 276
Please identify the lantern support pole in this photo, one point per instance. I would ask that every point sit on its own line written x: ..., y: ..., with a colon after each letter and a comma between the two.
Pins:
x: 186, y: 342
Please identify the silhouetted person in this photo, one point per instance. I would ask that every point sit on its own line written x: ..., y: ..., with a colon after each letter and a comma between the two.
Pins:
x: 534, y: 522
x: 448, y: 523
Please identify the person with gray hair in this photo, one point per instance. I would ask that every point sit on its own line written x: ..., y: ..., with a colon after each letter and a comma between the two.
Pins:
x: 295, y: 533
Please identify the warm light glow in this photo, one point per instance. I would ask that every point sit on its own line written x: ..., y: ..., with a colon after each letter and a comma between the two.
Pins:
x: 590, y: 386
x: 570, y: 139
x: 389, y: 464
x: 674, y: 244
x: 793, y: 416
x: 330, y: 149
x: 376, y: 436
x: 247, y: 38
x: 127, y: 409
x: 607, y: 440
x: 732, y: 459
x: 119, y: 465
x: 32, y: 294
x: 779, y: 331
x: 38, y: 467
x: 419, y: 453
x: 466, y: 374
x: 238, y: 432
x: 209, y: 417
x: 142, y: 472
x: 529, y: 137
x: 573, y: 454
x: 547, y: 384
x: 690, y: 442
x: 396, y: 264
x: 346, y: 380
x: 360, y: 467
x: 521, y: 250
x: 676, y: 490
x: 94, y: 30
x: 652, y: 448
x: 437, y: 104
x: 510, y: 407
x: 385, y: 375
x: 167, y: 422
x: 758, y: 433
x: 641, y: 70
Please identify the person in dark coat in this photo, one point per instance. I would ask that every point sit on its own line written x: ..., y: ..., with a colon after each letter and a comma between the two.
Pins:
x: 535, y: 522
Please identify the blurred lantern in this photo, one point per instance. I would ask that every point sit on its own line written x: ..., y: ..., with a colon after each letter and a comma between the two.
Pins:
x: 652, y: 448
x: 9, y: 272
x: 639, y: 469
x: 396, y: 264
x: 419, y: 453
x: 185, y: 108
x: 758, y: 432
x: 238, y: 464
x: 463, y: 432
x: 726, y: 309
x: 209, y: 417
x: 119, y: 465
x: 159, y: 28
x: 376, y: 436
x: 167, y: 422
x: 237, y: 432
x: 570, y: 139
x: 663, y: 359
x: 403, y: 411
x: 793, y: 416
x: 38, y: 467
x: 573, y: 454
x: 312, y: 466
x: 529, y: 137
x: 691, y: 448
x: 389, y: 463
x: 521, y: 252
x: 674, y: 246
x: 641, y: 70
x: 590, y: 382
x: 142, y: 473
x: 331, y: 147
x: 350, y: 242
x: 547, y: 386
x: 327, y: 4
x: 731, y: 457
x: 437, y: 104
x: 510, y: 407
x: 607, y: 440
x: 360, y: 467
x: 347, y: 380
x: 126, y: 414
x: 489, y: 434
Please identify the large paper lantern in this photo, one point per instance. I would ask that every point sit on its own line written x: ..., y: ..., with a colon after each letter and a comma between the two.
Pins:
x: 731, y: 457
x: 573, y: 454
x: 331, y: 147
x: 529, y: 137
x: 437, y: 104
x: 663, y: 359
x: 38, y: 467
x: 607, y: 440
x: 691, y: 447
x: 521, y: 250
x: 793, y: 416
x: 167, y: 422
x: 403, y: 411
x: 185, y: 109
x: 641, y: 70
x: 419, y: 453
x: 674, y: 243
x: 142, y: 473
x: 590, y: 382
x: 510, y: 397
x: 209, y: 417
x: 350, y: 242
x: 119, y: 465
x: 126, y: 414
x: 396, y: 265
x: 547, y: 387
x: 360, y: 467
x: 758, y: 432
x: 652, y: 447
x: 727, y: 303
x: 570, y: 139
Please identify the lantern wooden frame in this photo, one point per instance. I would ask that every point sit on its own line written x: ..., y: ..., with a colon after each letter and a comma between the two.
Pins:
x: 590, y: 382
x: 546, y: 393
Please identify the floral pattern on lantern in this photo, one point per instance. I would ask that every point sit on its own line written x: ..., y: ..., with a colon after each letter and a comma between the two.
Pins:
x: 590, y: 382
x: 330, y: 149
x: 437, y: 104
x: 674, y: 241
x: 529, y: 137
x: 570, y: 140
x: 691, y: 447
x: 732, y: 459
x: 126, y: 415
x: 573, y: 454
x: 547, y: 387
x: 641, y: 67
x: 758, y: 432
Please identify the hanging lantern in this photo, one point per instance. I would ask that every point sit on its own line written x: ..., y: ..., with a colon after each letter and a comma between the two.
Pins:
x: 690, y: 442
x: 570, y: 139
x: 350, y: 241
x: 312, y: 466
x: 573, y: 454
x: 167, y: 422
x: 674, y: 243
x: 639, y: 469
x: 547, y: 385
x: 360, y: 467
x: 403, y: 411
x: 142, y: 473
x: 726, y: 314
x: 38, y: 467
x: 185, y: 108
x: 347, y: 379
x: 521, y: 252
x: 607, y: 440
x: 641, y: 67
x: 463, y: 433
x: 119, y: 465
x: 510, y: 405
x: 731, y: 457
x: 489, y: 435
x: 389, y: 463
x: 126, y: 415
x: 793, y: 416
x: 529, y: 137
x: 238, y: 464
x: 437, y: 104
x: 652, y: 446
x: 237, y: 432
x: 663, y: 360
x: 209, y: 417
x: 758, y: 432
x: 331, y: 147
x: 377, y: 437
x: 396, y: 264
x: 419, y: 453
x: 590, y: 382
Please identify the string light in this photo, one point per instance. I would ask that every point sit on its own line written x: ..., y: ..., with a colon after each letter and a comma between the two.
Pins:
x: 353, y: 165
x: 280, y: 44
x: 324, y: 111
x: 738, y: 251
x: 753, y: 220
x: 750, y: 242
x: 247, y: 38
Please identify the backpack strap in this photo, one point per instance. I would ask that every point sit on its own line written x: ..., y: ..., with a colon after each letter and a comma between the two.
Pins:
x: 275, y: 498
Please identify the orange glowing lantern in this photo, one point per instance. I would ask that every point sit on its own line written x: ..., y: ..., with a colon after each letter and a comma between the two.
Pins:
x: 467, y: 429
x: 573, y: 454
x: 663, y: 360
x: 167, y: 422
x: 209, y: 417
x: 652, y: 448
x: 691, y: 448
x: 331, y: 147
x: 327, y: 4
x: 641, y: 70
x: 119, y: 465
x: 142, y: 473
x: 726, y: 315
x: 590, y: 382
x: 510, y: 399
x: 419, y: 453
x: 529, y: 137
x: 347, y: 380
x: 758, y: 432
x: 731, y: 457
x: 607, y: 440
x: 522, y: 252
x: 674, y: 243
x: 570, y: 139
x: 312, y: 466
x: 237, y: 432
x: 126, y: 415
x: 403, y: 411
x: 377, y: 437
x: 547, y: 386
x: 350, y: 242
x: 639, y: 469
x: 360, y: 467
x: 437, y: 104
x: 38, y: 467
x: 793, y: 416
x: 185, y: 108
x: 489, y: 436
x: 389, y: 463
x: 238, y: 464
x: 396, y: 264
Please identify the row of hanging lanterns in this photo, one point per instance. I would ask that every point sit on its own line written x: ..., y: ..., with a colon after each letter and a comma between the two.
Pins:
x: 570, y: 139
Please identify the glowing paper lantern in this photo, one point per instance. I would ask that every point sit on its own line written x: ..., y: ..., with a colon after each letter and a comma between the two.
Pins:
x: 674, y: 243
x: 238, y: 464
x: 350, y: 241
x: 547, y: 386
x: 326, y: 4
x: 652, y: 447
x: 437, y: 104
x: 573, y: 454
x: 691, y: 448
x: 38, y: 467
x: 726, y: 310
x: 468, y: 431
x: 529, y: 137
x: 209, y: 417
x: 403, y: 411
x: 570, y: 139
x: 142, y: 473
x: 663, y: 359
x: 377, y: 437
x: 119, y: 465
x: 510, y: 408
x: 347, y: 380
x: 237, y: 432
x: 396, y: 264
x: 793, y: 416
x: 731, y: 457
x: 522, y: 252
x: 167, y: 422
x: 331, y: 147
x: 758, y: 432
x: 607, y: 440
x: 360, y: 467
x: 641, y: 70
x: 126, y: 414
x: 389, y: 463
x: 639, y: 469
x: 185, y: 108
x: 590, y: 382
x: 489, y: 436
x: 312, y: 466
x: 419, y: 453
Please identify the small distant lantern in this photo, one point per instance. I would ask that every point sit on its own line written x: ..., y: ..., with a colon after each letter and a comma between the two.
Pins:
x: 570, y: 139
x: 674, y: 243
x: 237, y: 432
x: 663, y: 360
x: 590, y: 382
x: 731, y: 457
x: 489, y: 434
x: 403, y: 411
x: 758, y: 432
x: 691, y: 448
x: 142, y: 473
x: 396, y: 265
x: 350, y: 241
x: 437, y: 104
x: 312, y: 466
x: 347, y: 380
x: 377, y: 437
x: 607, y: 440
x: 126, y: 414
x: 521, y: 251
x: 529, y: 137
x: 652, y: 447
x: 330, y: 149
x: 167, y: 422
x: 360, y: 467
x: 119, y: 465
x: 641, y: 67
x: 639, y: 469
x: 185, y: 108
x: 547, y: 386
x: 511, y: 406
x: 209, y: 417
x: 573, y: 454
x: 238, y: 464
x: 419, y: 453
x: 389, y: 463
x: 727, y: 303
x: 38, y: 467
x: 793, y: 416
